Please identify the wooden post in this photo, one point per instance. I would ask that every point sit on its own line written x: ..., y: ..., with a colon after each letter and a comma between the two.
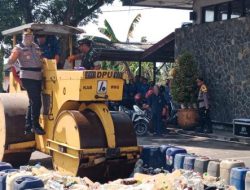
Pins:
x: 154, y: 72
x: 14, y: 40
x: 140, y: 69
x: 70, y: 45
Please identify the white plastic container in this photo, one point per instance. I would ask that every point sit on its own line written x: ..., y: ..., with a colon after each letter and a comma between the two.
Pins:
x: 225, y: 169
x: 213, y: 168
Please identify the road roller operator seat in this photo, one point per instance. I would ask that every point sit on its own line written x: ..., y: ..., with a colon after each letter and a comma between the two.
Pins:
x: 83, y: 137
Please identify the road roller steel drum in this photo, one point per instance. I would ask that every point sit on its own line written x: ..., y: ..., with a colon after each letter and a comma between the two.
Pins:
x: 238, y: 176
x: 226, y: 167
x: 16, y: 147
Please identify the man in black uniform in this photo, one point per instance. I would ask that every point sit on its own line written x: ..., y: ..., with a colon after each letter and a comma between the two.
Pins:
x: 87, y: 55
x: 204, y: 109
x: 158, y: 107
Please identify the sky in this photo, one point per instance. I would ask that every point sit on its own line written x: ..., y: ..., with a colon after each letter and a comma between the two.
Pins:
x: 155, y: 23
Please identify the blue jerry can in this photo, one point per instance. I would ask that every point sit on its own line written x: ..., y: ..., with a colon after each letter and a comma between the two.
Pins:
x: 3, y: 176
x: 5, y: 166
x: 151, y: 157
x: 163, y: 149
x: 237, y: 177
x: 28, y: 182
x: 170, y: 155
x: 189, y: 162
x: 179, y: 160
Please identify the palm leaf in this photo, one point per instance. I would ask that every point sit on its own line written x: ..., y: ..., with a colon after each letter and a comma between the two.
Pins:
x: 108, y: 31
x: 132, y: 26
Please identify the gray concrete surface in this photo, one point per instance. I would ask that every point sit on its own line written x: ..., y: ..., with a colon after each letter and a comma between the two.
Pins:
x: 199, y: 145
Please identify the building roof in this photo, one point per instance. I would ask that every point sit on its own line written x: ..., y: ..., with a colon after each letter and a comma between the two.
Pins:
x: 38, y: 28
x: 162, y: 51
x: 173, y: 4
x: 120, y: 51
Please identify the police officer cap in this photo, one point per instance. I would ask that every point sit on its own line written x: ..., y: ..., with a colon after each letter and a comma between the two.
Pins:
x: 28, y: 31
x: 84, y: 41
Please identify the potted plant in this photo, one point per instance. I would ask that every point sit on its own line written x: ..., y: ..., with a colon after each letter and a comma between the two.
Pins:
x: 184, y: 90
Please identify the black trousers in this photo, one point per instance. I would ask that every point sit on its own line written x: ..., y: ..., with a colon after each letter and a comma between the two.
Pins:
x: 157, y: 123
x: 34, y: 88
x: 205, y: 120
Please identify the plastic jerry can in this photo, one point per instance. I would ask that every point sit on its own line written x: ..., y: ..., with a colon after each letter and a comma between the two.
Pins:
x: 238, y: 176
x: 3, y: 176
x: 151, y: 157
x: 5, y: 166
x: 189, y: 162
x: 28, y: 182
x: 247, y: 181
x: 179, y: 160
x: 11, y: 178
x: 201, y: 164
x: 213, y: 168
x: 163, y: 149
x: 170, y: 156
x: 226, y: 167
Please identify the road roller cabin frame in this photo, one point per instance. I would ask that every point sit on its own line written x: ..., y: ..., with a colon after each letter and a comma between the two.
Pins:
x: 82, y: 136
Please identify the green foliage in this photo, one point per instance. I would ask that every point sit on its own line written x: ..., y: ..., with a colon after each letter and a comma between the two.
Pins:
x: 108, y: 31
x: 69, y: 12
x: 183, y: 86
x: 132, y: 26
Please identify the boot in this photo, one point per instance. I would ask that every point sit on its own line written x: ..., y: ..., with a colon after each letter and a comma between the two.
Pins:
x: 37, y: 128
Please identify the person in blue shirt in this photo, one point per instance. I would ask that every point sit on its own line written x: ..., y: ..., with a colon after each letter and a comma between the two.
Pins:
x: 144, y: 87
x: 158, y: 107
x: 49, y: 47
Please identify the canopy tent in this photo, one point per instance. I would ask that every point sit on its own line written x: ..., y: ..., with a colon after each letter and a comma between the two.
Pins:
x: 49, y: 29
x: 173, y: 4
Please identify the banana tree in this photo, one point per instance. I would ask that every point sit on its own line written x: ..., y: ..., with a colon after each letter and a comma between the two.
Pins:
x: 109, y: 32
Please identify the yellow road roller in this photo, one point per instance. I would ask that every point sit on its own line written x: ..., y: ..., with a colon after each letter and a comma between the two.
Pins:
x: 83, y: 137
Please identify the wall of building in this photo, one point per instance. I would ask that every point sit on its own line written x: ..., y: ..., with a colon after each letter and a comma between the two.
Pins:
x: 198, y: 4
x: 222, y: 52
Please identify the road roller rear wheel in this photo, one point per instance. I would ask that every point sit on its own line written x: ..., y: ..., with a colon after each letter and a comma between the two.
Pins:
x: 12, y: 121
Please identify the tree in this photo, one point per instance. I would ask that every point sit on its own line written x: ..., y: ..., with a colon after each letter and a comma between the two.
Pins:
x: 109, y: 32
x: 183, y: 86
x: 67, y: 12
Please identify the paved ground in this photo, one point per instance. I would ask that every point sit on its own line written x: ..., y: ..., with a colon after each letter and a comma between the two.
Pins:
x: 198, y: 145
x: 203, y: 146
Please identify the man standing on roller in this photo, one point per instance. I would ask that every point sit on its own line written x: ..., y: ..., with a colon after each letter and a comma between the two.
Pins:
x: 28, y: 54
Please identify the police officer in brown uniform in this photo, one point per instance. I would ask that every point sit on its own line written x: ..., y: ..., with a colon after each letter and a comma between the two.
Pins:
x: 204, y: 108
x: 28, y: 55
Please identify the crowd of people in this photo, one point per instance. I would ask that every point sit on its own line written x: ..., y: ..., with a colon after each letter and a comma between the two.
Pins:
x: 156, y: 98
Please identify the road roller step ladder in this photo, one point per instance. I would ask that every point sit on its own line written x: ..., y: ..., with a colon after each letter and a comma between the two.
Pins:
x: 83, y: 137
